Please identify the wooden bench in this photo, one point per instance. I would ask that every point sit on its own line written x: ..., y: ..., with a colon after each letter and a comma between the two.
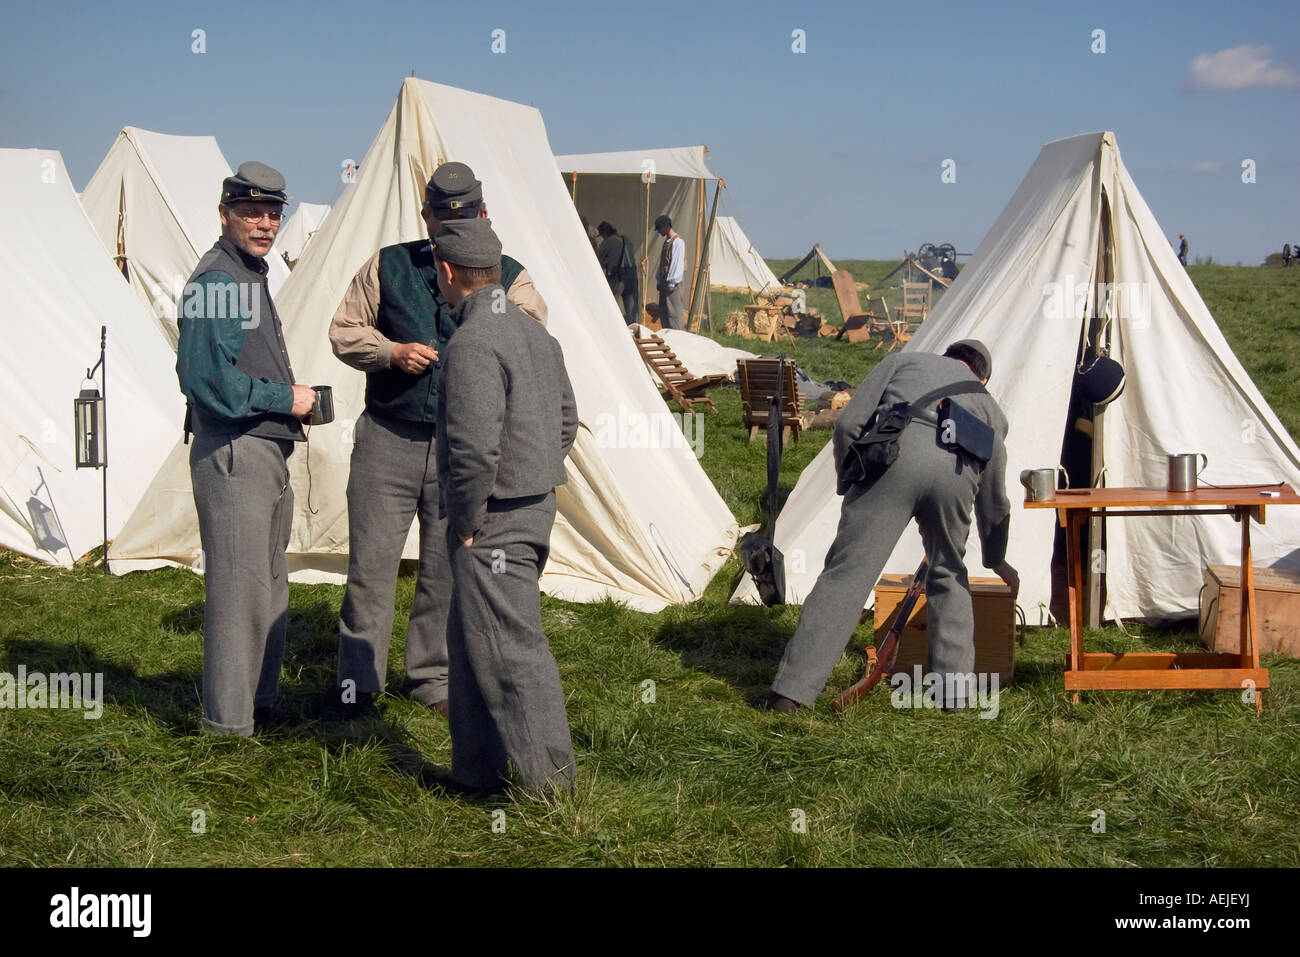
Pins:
x: 759, y: 380
x: 677, y: 382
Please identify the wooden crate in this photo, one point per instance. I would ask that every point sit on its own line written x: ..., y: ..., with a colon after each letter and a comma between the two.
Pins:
x: 995, y: 625
x: 1277, y: 603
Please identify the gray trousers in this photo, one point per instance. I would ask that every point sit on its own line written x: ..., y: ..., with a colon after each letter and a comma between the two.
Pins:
x: 672, y: 307
x: 393, y: 480
x: 245, y: 506
x: 506, y: 700
x: 931, y: 484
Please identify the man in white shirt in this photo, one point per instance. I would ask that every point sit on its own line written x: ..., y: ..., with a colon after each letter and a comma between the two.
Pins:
x: 672, y: 269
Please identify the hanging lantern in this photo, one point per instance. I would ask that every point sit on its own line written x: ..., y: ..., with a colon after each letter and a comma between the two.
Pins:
x: 92, y: 436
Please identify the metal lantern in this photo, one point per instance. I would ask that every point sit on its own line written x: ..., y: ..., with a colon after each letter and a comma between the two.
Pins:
x: 89, y: 428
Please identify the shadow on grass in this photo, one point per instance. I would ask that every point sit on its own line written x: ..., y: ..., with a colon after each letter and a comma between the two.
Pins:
x: 738, y: 644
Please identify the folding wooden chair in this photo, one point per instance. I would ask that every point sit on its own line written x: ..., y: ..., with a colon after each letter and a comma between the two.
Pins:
x: 677, y: 382
x: 759, y: 380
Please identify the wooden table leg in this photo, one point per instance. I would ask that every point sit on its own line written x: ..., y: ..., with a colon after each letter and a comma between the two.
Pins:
x: 1075, y: 571
x: 1249, y: 631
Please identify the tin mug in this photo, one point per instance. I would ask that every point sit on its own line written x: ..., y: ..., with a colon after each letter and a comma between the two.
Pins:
x: 1183, y: 472
x: 1040, y: 484
x: 322, y: 411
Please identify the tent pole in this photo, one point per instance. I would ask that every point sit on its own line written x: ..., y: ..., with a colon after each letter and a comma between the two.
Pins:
x: 1101, y: 311
x: 701, y: 289
x: 645, y: 250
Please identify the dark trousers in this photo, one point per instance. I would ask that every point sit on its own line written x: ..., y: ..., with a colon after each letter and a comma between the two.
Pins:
x: 506, y: 700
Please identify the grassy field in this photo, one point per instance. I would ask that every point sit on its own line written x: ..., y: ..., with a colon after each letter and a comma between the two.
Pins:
x: 693, y: 777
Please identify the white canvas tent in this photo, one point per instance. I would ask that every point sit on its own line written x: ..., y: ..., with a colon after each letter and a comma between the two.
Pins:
x: 619, y: 187
x: 1026, y: 293
x: 298, y: 230
x: 57, y: 288
x: 153, y: 202
x: 733, y: 260
x: 640, y: 524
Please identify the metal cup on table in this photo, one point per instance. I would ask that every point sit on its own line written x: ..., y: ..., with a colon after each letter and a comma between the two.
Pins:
x: 1183, y: 473
x: 1040, y: 484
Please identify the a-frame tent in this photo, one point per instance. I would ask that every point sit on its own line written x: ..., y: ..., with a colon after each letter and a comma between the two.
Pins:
x: 153, y: 202
x: 734, y: 262
x: 637, y: 522
x: 57, y: 288
x: 1032, y: 292
x: 297, y: 231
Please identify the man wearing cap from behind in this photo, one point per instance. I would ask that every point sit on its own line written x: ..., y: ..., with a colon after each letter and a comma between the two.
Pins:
x: 392, y: 324
x: 245, y: 413
x: 506, y: 421
x: 669, y: 276
x: 933, y: 480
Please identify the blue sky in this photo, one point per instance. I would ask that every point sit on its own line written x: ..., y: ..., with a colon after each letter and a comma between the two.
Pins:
x: 842, y: 144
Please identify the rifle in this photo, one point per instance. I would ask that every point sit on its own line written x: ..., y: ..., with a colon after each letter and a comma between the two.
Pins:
x: 887, y: 650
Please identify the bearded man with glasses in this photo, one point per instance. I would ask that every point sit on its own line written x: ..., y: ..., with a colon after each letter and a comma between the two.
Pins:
x: 245, y: 413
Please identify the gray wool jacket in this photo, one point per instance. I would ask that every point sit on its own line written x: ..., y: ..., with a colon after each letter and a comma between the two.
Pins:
x: 910, y: 375
x: 506, y: 411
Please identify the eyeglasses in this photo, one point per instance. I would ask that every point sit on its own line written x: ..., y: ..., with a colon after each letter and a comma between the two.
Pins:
x: 256, y: 217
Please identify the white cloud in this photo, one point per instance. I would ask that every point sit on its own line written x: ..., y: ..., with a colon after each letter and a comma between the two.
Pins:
x: 1208, y: 166
x: 1242, y: 68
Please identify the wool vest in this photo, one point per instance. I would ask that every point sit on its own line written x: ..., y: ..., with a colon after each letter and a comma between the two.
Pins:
x: 262, y: 355
x: 412, y: 309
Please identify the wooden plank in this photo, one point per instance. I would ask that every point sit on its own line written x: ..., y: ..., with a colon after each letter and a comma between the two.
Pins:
x: 1129, y: 660
x: 1209, y: 679
x: 1072, y: 499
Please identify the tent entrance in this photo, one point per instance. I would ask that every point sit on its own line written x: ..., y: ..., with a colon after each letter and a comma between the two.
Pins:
x: 1083, y: 444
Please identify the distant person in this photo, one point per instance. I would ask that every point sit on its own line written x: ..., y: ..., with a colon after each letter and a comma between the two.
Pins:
x: 672, y: 269
x: 616, y: 258
x: 1182, y: 249
x: 1286, y: 254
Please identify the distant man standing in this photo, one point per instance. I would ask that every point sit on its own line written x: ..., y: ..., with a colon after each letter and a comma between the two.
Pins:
x: 245, y: 413
x: 506, y: 421
x: 1182, y: 249
x: 932, y: 481
x: 392, y: 323
x: 672, y: 269
x: 619, y: 262
x: 1286, y: 254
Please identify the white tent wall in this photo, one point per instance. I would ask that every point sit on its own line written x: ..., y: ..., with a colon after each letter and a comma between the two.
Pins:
x: 298, y: 230
x: 642, y: 525
x: 1185, y: 391
x: 733, y: 260
x: 58, y: 288
x: 158, y: 194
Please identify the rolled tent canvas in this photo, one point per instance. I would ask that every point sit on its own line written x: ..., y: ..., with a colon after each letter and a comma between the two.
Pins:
x: 298, y: 230
x: 153, y: 201
x: 1185, y: 391
x: 58, y: 287
x: 638, y: 522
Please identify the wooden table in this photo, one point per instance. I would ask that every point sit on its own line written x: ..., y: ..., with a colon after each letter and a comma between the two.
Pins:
x: 1152, y: 670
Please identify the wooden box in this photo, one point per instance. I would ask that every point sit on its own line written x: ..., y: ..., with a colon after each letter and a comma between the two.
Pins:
x: 995, y: 625
x: 1277, y: 605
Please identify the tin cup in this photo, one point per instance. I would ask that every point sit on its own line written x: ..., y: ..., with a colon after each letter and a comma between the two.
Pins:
x: 1183, y: 472
x: 1040, y: 484
x: 323, y: 411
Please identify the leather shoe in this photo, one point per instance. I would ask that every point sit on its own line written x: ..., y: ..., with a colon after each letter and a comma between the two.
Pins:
x: 775, y: 702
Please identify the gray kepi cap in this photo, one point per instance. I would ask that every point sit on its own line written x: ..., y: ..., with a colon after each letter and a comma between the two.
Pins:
x: 468, y: 242
x: 256, y: 182
x: 454, y: 190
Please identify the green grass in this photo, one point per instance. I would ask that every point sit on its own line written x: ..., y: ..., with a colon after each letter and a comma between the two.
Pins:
x: 695, y: 778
